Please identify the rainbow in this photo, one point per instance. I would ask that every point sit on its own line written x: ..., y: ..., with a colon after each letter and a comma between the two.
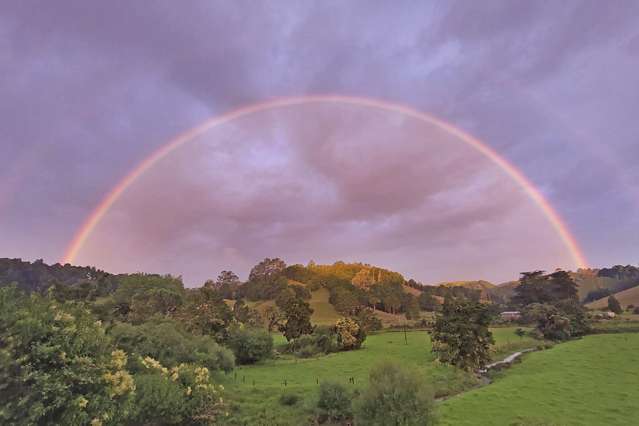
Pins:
x: 516, y: 175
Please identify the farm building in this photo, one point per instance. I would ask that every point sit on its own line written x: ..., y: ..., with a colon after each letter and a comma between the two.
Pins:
x: 510, y: 315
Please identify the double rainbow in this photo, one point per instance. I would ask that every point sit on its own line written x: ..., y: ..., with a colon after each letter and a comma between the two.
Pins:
x: 535, y: 195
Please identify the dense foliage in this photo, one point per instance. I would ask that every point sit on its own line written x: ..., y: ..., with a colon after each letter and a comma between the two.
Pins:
x: 334, y: 402
x: 168, y: 342
x: 614, y: 305
x: 461, y: 336
x: 550, y: 301
x: 59, y: 366
x: 250, y: 344
x: 88, y: 282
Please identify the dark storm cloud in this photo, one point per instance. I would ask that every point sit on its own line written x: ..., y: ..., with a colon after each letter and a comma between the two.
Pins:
x: 88, y: 89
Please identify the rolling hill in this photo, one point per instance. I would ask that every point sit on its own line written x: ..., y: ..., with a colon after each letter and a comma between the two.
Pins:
x: 625, y: 298
x: 486, y: 288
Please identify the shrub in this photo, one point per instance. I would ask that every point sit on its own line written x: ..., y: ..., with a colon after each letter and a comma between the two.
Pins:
x: 158, y: 399
x: 395, y: 396
x: 180, y: 395
x: 323, y: 340
x: 614, y: 305
x: 334, y: 402
x: 349, y: 334
x: 57, y: 366
x: 168, y: 342
x: 289, y: 399
x: 636, y: 310
x: 250, y: 344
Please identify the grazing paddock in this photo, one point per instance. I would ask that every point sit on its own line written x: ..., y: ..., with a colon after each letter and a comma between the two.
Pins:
x: 592, y: 381
x: 255, y: 390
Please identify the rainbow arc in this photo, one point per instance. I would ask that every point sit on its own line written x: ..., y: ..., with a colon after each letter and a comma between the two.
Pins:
x: 509, y: 169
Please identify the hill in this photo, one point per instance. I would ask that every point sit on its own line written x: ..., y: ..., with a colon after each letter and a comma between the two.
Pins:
x: 581, y: 382
x: 476, y: 285
x: 38, y: 276
x: 625, y: 298
x: 486, y: 288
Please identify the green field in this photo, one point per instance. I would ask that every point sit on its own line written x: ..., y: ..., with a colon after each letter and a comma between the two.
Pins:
x: 592, y: 381
x: 323, y: 312
x: 255, y: 390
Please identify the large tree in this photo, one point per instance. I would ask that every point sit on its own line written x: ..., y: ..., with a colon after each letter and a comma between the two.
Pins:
x: 461, y: 336
x: 614, y: 305
x: 226, y: 284
x: 537, y: 287
x: 267, y: 268
x: 297, y: 318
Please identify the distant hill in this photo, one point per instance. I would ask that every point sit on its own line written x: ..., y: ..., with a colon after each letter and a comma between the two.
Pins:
x: 38, y: 276
x: 625, y: 298
x: 605, y: 281
x: 486, y: 288
x: 476, y: 285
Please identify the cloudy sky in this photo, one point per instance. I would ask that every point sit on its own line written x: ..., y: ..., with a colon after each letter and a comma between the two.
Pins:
x: 89, y: 89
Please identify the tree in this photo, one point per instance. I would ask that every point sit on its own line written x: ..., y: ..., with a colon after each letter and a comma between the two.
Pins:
x: 205, y: 312
x: 410, y: 305
x: 363, y: 279
x: 297, y: 318
x: 349, y: 334
x: 428, y: 302
x: 344, y: 300
x: 250, y: 344
x: 273, y: 318
x: 461, y: 336
x: 614, y: 305
x: 395, y: 396
x: 560, y: 321
x: 57, y: 366
x: 226, y: 284
x: 240, y: 311
x: 535, y: 287
x: 267, y: 269
x: 141, y: 296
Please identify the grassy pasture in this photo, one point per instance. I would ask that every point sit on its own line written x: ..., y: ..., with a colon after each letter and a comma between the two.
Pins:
x: 592, y: 381
x: 255, y: 390
x: 625, y: 298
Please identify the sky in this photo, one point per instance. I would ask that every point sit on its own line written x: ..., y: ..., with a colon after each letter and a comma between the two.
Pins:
x: 90, y: 89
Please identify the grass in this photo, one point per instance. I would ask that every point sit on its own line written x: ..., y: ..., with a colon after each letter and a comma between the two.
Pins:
x: 256, y: 390
x: 621, y: 323
x: 625, y: 298
x: 323, y: 312
x: 592, y: 381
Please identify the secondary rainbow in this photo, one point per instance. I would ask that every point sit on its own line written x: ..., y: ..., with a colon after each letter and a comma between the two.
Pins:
x: 546, y: 208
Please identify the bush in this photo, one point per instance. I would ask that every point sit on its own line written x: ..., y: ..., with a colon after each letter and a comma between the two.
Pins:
x: 158, y: 399
x: 180, y: 395
x: 250, y: 344
x: 614, y: 305
x: 636, y: 310
x: 322, y: 341
x: 57, y: 366
x: 349, y: 334
x: 168, y: 342
x: 289, y: 399
x: 395, y: 396
x: 334, y: 403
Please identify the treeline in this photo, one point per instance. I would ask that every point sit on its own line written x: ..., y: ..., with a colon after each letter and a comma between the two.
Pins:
x: 38, y: 276
x: 141, y: 350
x: 626, y: 276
